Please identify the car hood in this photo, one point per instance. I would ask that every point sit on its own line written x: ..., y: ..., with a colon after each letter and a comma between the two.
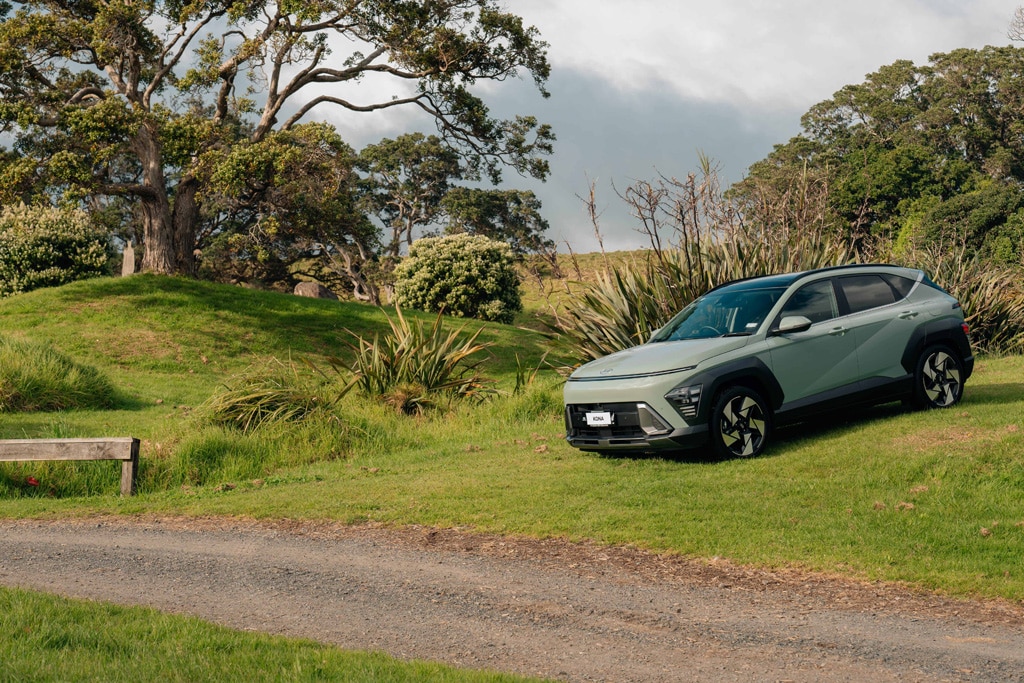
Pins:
x: 657, y: 358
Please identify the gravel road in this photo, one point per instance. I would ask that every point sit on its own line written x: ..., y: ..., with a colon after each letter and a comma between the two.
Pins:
x: 577, y: 612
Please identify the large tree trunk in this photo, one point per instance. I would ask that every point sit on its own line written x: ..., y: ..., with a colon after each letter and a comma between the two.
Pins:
x: 185, y: 218
x: 157, y: 227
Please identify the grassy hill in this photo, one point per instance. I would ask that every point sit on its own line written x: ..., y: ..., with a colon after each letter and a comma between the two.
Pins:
x: 930, y: 498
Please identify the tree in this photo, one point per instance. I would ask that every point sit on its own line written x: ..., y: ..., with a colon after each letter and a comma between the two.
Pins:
x: 410, y: 185
x: 406, y: 180
x: 288, y: 198
x: 510, y: 216
x: 937, y: 130
x: 137, y: 99
x: 1016, y: 28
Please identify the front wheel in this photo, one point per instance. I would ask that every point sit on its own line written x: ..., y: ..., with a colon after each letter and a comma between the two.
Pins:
x: 740, y: 422
x: 939, y: 379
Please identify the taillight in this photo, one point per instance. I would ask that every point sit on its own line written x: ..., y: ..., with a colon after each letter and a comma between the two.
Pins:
x: 965, y: 328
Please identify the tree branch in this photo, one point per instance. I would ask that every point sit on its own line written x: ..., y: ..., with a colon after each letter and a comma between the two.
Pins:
x: 90, y: 91
x: 168, y: 66
x: 348, y: 105
x: 128, y: 189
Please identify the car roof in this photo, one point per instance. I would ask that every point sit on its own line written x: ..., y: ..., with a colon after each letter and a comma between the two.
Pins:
x: 786, y: 279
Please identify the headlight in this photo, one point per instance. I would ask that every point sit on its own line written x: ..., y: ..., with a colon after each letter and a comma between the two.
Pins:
x: 685, y: 399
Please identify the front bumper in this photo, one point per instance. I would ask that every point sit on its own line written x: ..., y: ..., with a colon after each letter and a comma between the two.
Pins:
x: 633, y: 427
x: 688, y: 437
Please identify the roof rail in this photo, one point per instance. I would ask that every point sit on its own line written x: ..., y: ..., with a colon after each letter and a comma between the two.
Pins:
x: 799, y: 274
x: 851, y: 265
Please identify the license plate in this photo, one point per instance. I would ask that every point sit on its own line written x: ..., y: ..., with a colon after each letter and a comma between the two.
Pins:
x: 599, y: 419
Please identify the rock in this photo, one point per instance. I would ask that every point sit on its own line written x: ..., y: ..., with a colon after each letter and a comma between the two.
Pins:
x: 315, y: 290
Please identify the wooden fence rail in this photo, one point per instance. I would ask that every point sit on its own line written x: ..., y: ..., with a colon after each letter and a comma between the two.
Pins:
x: 125, y: 449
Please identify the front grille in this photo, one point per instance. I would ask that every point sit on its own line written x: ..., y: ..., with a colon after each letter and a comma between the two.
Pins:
x: 625, y: 425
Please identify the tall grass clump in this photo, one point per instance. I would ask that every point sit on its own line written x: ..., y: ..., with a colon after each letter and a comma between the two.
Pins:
x: 220, y: 455
x: 416, y: 365
x: 269, y: 395
x: 35, y: 377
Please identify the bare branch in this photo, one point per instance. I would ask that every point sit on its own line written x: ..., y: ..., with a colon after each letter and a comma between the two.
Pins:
x: 1016, y: 28
x: 349, y: 105
x: 167, y: 66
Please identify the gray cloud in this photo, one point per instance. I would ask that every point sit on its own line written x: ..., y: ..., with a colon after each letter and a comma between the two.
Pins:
x: 639, y: 88
x: 612, y: 138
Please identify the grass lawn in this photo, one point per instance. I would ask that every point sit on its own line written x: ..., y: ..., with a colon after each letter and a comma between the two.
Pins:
x: 928, y: 498
x: 46, y: 638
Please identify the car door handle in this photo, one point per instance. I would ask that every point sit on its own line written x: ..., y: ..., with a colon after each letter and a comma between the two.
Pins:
x: 837, y: 331
x: 907, y: 315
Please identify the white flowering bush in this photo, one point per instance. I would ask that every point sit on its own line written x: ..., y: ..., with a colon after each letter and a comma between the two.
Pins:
x: 469, y: 276
x: 46, y: 247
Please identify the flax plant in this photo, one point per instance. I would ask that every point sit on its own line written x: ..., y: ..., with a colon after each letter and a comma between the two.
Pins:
x: 416, y: 364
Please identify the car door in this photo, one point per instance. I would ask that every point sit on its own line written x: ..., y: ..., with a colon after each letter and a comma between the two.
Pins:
x: 820, y: 359
x: 882, y: 321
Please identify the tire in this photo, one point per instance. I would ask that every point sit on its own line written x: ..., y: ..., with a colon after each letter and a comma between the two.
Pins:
x: 939, y: 378
x: 740, y: 423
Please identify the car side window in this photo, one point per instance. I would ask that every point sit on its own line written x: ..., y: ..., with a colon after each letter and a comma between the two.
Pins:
x: 816, y: 302
x: 863, y: 292
x: 902, y: 285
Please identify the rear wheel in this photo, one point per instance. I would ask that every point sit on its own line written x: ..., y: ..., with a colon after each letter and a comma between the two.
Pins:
x: 939, y: 380
x: 740, y: 422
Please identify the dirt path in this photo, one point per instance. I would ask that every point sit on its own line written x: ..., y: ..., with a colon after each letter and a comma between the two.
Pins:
x: 577, y: 612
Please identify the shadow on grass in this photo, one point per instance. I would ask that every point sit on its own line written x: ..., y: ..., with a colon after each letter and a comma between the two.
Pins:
x: 781, y: 437
x: 989, y: 394
x: 689, y: 456
x: 834, y: 423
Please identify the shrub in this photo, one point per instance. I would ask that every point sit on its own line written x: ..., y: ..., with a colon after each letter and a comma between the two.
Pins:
x: 35, y: 377
x: 468, y: 276
x: 414, y: 365
x: 45, y: 247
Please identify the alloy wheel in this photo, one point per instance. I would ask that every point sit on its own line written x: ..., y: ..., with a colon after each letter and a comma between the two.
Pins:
x: 743, y: 426
x: 941, y: 379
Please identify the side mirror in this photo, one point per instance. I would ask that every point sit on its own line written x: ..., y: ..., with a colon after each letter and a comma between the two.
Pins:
x: 792, y: 323
x: 653, y: 334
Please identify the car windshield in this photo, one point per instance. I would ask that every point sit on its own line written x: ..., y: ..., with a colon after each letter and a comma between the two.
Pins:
x: 728, y: 312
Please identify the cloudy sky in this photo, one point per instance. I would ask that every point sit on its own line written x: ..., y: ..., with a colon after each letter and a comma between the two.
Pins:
x: 640, y: 87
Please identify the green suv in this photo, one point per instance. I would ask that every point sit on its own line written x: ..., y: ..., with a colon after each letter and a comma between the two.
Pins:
x: 757, y: 353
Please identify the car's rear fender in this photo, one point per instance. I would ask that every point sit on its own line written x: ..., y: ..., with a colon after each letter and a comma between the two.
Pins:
x: 947, y: 331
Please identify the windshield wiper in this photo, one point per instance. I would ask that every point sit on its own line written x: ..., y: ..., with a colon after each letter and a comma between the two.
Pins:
x: 738, y: 334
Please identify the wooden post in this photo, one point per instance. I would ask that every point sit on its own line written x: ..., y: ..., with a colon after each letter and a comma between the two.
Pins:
x: 130, y: 470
